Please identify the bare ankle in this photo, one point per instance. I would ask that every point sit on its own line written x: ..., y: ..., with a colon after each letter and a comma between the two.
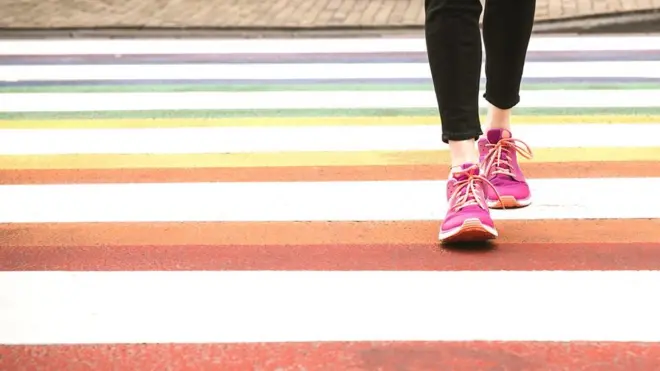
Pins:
x: 463, y: 152
x: 498, y: 118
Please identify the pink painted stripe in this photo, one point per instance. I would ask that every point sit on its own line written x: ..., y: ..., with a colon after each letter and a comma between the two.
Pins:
x: 336, y: 257
x: 385, y: 356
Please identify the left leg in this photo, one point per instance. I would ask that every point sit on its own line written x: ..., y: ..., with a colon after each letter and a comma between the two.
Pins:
x: 453, y: 42
x: 507, y: 28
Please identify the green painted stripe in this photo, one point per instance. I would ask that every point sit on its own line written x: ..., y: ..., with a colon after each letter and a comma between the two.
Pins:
x: 296, y: 87
x: 384, y: 112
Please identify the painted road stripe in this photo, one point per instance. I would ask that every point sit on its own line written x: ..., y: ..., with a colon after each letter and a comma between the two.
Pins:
x: 273, y: 237
x: 292, y: 139
x: 528, y: 83
x: 516, y: 119
x: 554, y: 256
x: 455, y: 356
x: 538, y: 170
x: 174, y: 86
x: 175, y: 307
x: 287, y: 159
x: 338, y: 100
x: 373, y: 57
x: 311, y: 45
x: 429, y: 256
x: 586, y: 112
x: 274, y: 72
x: 604, y: 198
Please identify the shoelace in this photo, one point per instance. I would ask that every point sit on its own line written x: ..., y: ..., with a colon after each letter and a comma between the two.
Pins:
x: 466, y: 188
x: 498, y: 159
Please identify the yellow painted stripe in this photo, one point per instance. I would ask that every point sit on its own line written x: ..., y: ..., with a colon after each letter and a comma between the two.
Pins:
x: 305, y: 121
x: 100, y: 161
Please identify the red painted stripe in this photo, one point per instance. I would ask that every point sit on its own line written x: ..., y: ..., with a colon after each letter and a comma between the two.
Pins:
x: 396, y: 256
x: 385, y: 356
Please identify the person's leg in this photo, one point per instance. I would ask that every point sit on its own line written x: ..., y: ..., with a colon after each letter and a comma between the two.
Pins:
x: 507, y: 28
x: 453, y: 42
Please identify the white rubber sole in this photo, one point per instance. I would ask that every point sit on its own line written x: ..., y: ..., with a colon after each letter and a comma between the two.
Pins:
x: 472, y: 230
x: 509, y: 202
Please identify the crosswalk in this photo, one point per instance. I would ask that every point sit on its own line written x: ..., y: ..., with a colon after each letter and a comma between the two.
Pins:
x: 270, y: 204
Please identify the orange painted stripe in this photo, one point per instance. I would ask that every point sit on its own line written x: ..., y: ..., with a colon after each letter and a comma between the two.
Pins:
x: 315, y: 233
x: 315, y: 173
x: 353, y: 356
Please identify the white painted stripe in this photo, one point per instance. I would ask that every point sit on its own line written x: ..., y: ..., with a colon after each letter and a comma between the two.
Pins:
x: 287, y: 139
x: 320, y: 45
x: 320, y: 201
x: 84, y: 102
x: 219, y: 307
x: 640, y: 69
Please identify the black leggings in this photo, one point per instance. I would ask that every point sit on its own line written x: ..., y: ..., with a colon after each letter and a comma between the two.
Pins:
x: 453, y: 43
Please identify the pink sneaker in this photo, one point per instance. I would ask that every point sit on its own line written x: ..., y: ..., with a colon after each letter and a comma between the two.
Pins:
x: 498, y: 156
x: 468, y: 217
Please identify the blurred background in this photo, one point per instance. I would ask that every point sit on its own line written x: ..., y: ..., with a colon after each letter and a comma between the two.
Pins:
x: 238, y: 16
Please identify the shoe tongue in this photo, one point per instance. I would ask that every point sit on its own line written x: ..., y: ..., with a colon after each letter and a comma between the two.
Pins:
x: 466, y: 171
x: 494, y: 135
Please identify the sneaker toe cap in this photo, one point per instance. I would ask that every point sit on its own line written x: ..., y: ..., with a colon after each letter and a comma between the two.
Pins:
x: 456, y: 219
x: 518, y: 190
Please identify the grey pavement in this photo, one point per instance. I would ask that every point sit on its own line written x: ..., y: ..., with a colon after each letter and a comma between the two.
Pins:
x: 39, y: 14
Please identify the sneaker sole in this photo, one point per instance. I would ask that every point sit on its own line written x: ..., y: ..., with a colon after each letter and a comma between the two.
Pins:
x: 472, y: 230
x: 509, y: 202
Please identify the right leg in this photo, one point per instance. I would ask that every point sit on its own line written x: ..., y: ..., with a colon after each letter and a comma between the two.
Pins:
x: 453, y: 42
x: 507, y: 31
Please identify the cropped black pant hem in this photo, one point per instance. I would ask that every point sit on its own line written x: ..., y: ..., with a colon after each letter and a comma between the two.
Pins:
x: 454, y: 49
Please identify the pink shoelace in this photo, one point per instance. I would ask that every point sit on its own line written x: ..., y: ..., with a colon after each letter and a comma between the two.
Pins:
x: 460, y: 197
x: 498, y: 159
